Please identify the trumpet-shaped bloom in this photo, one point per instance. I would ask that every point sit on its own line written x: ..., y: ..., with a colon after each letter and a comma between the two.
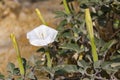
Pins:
x: 42, y: 35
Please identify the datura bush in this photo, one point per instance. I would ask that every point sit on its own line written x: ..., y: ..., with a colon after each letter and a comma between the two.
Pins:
x: 84, y: 46
x: 42, y: 36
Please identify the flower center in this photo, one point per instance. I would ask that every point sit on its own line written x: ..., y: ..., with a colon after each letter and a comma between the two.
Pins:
x: 40, y: 35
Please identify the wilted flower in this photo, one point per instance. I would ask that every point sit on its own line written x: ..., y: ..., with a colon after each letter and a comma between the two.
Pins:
x: 42, y: 35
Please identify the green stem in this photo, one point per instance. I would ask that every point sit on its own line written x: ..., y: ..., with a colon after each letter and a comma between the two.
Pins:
x: 66, y: 7
x: 91, y: 34
x: 49, y: 63
x: 20, y: 63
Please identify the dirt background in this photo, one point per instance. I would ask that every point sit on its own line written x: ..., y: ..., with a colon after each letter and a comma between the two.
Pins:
x: 19, y: 17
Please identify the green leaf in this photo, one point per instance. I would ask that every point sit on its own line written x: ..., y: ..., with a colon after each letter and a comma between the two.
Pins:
x: 115, y: 58
x: 11, y: 67
x: 72, y: 46
x: 16, y: 71
x: 81, y: 70
x: 76, y: 29
x: 49, y: 70
x: 108, y: 45
x: 118, y: 51
x: 107, y: 66
x: 110, y: 69
x: 31, y: 75
x: 83, y: 1
x: 117, y: 64
x: 61, y: 25
x: 70, y: 68
x: 97, y: 64
x: 59, y: 14
x: 67, y: 33
x: 2, y: 77
x: 82, y: 64
x: 66, y: 68
x: 100, y: 13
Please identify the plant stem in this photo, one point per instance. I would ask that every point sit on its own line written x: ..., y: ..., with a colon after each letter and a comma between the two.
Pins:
x: 91, y: 34
x: 40, y: 16
x: 66, y: 7
x: 49, y: 63
x: 20, y: 62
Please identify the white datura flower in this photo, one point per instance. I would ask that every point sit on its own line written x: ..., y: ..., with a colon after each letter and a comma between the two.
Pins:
x: 42, y: 35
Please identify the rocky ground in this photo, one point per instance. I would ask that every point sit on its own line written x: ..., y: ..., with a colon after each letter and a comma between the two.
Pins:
x: 19, y: 17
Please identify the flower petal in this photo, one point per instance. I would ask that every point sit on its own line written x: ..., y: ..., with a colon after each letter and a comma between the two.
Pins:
x: 38, y: 42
